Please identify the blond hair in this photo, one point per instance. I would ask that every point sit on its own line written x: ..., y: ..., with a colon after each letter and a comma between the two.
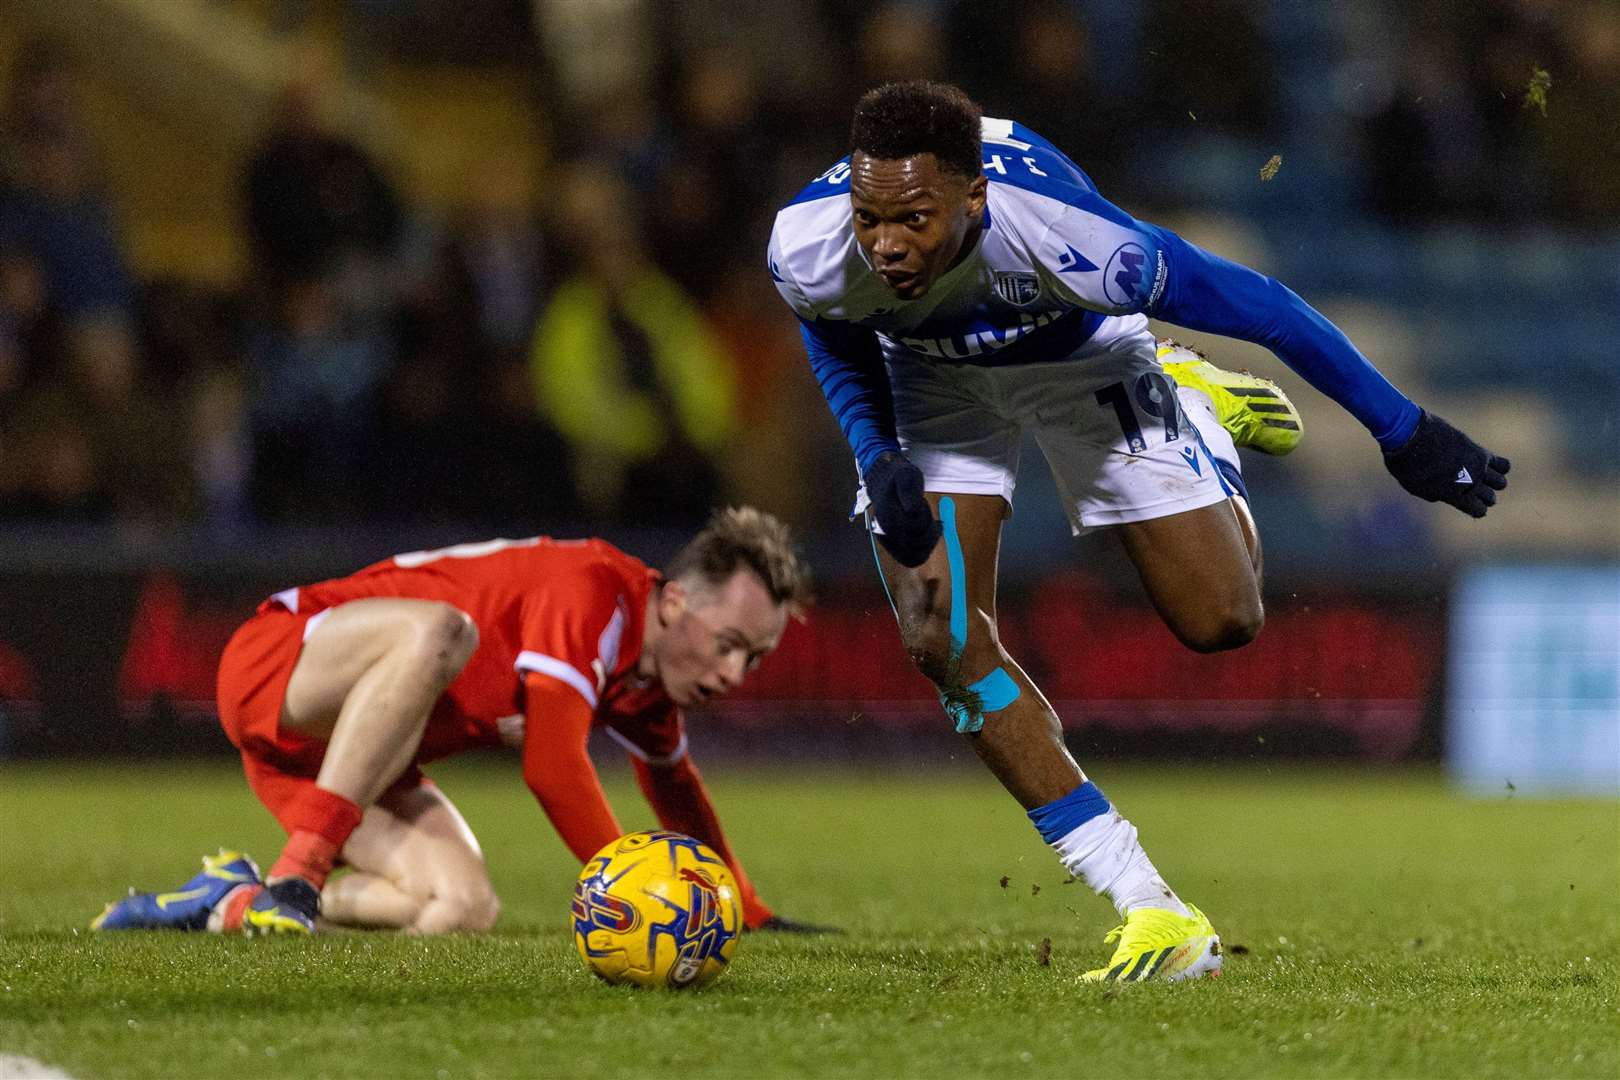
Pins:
x: 743, y: 536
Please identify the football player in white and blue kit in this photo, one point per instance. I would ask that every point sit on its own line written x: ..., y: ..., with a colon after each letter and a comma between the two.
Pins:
x: 961, y: 281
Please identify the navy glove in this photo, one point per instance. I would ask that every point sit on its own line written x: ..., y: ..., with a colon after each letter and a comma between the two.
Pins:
x: 1441, y: 464
x: 895, y: 487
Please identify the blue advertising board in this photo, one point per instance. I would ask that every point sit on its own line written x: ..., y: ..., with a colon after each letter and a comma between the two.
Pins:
x: 1533, y: 680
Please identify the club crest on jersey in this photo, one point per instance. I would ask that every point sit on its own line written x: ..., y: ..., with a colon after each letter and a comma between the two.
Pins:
x: 1018, y: 288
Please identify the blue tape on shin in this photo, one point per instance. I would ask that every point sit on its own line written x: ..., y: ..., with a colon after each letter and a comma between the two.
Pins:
x: 953, y: 555
x: 995, y: 692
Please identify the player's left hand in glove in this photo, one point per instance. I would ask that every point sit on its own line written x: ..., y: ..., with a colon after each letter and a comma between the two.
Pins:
x: 779, y: 925
x: 910, y: 529
x: 1441, y: 464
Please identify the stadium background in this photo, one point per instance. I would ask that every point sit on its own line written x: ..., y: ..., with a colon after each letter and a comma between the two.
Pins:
x: 287, y: 286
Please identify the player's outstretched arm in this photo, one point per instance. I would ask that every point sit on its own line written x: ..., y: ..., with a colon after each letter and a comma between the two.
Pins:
x: 1430, y: 458
x: 676, y: 793
x: 558, y: 769
x: 1181, y: 283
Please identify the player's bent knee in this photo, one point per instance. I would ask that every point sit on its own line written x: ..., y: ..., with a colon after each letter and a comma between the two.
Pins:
x: 471, y: 909
x: 474, y: 912
x: 924, y: 628
x: 929, y: 646
x: 445, y: 641
x: 937, y: 653
x: 481, y: 917
x: 1228, y: 630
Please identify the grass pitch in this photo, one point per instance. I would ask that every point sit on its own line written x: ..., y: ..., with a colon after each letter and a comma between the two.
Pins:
x: 1377, y: 925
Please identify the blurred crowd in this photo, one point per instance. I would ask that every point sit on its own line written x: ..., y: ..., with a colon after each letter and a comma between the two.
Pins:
x: 608, y: 348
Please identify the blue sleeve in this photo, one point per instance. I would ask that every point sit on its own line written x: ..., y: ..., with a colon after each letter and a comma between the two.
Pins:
x: 1206, y: 292
x: 848, y: 364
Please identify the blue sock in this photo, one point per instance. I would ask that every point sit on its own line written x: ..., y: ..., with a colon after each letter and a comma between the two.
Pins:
x: 1060, y: 817
x: 1234, y: 479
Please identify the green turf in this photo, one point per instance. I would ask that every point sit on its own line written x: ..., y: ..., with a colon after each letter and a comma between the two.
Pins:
x: 1387, y: 928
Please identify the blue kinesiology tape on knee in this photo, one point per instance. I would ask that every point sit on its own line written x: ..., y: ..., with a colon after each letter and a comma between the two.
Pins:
x: 1060, y: 817
x: 995, y: 692
x: 953, y: 555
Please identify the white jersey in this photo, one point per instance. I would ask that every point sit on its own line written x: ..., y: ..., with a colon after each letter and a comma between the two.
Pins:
x: 1054, y: 267
x: 1051, y: 262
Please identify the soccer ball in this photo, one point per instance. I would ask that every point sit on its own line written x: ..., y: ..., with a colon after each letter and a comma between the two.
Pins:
x: 656, y: 909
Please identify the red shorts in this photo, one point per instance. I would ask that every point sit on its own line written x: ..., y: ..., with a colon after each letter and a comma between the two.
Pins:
x: 253, y: 676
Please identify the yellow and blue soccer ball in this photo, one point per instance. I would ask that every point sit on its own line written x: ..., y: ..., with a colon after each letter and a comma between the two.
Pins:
x: 656, y: 909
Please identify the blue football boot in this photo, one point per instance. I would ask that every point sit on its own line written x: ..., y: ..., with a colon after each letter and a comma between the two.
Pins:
x: 189, y: 906
x: 285, y: 906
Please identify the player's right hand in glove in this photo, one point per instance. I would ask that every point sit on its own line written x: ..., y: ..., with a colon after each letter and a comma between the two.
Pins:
x: 895, y: 487
x: 1441, y: 464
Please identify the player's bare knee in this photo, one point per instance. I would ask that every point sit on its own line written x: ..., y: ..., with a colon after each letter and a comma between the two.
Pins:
x: 925, y: 628
x: 928, y: 643
x: 932, y: 648
x: 1229, y: 628
x: 948, y: 662
x: 445, y: 640
x: 482, y: 919
x: 473, y: 908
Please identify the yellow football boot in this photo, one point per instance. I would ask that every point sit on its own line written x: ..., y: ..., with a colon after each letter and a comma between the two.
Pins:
x: 1254, y: 410
x: 1159, y: 944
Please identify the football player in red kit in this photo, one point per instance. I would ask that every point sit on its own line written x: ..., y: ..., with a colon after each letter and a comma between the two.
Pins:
x: 335, y: 693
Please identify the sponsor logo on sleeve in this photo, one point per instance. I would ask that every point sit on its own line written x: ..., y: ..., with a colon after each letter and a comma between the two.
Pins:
x: 1072, y: 262
x: 1124, y: 281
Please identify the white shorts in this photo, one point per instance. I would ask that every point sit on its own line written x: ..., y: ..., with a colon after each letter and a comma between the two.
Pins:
x: 1099, y: 417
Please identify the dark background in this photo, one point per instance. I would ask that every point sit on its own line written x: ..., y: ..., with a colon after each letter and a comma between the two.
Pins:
x: 287, y: 286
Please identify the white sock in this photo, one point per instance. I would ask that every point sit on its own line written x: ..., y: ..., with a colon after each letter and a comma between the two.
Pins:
x: 1104, y: 853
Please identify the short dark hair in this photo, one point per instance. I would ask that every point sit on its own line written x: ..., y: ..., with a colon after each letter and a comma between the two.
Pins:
x: 900, y: 120
x: 741, y: 536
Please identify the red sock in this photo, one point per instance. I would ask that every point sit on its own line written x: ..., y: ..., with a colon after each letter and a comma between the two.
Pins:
x: 307, y: 855
x: 320, y: 822
x: 236, y: 902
